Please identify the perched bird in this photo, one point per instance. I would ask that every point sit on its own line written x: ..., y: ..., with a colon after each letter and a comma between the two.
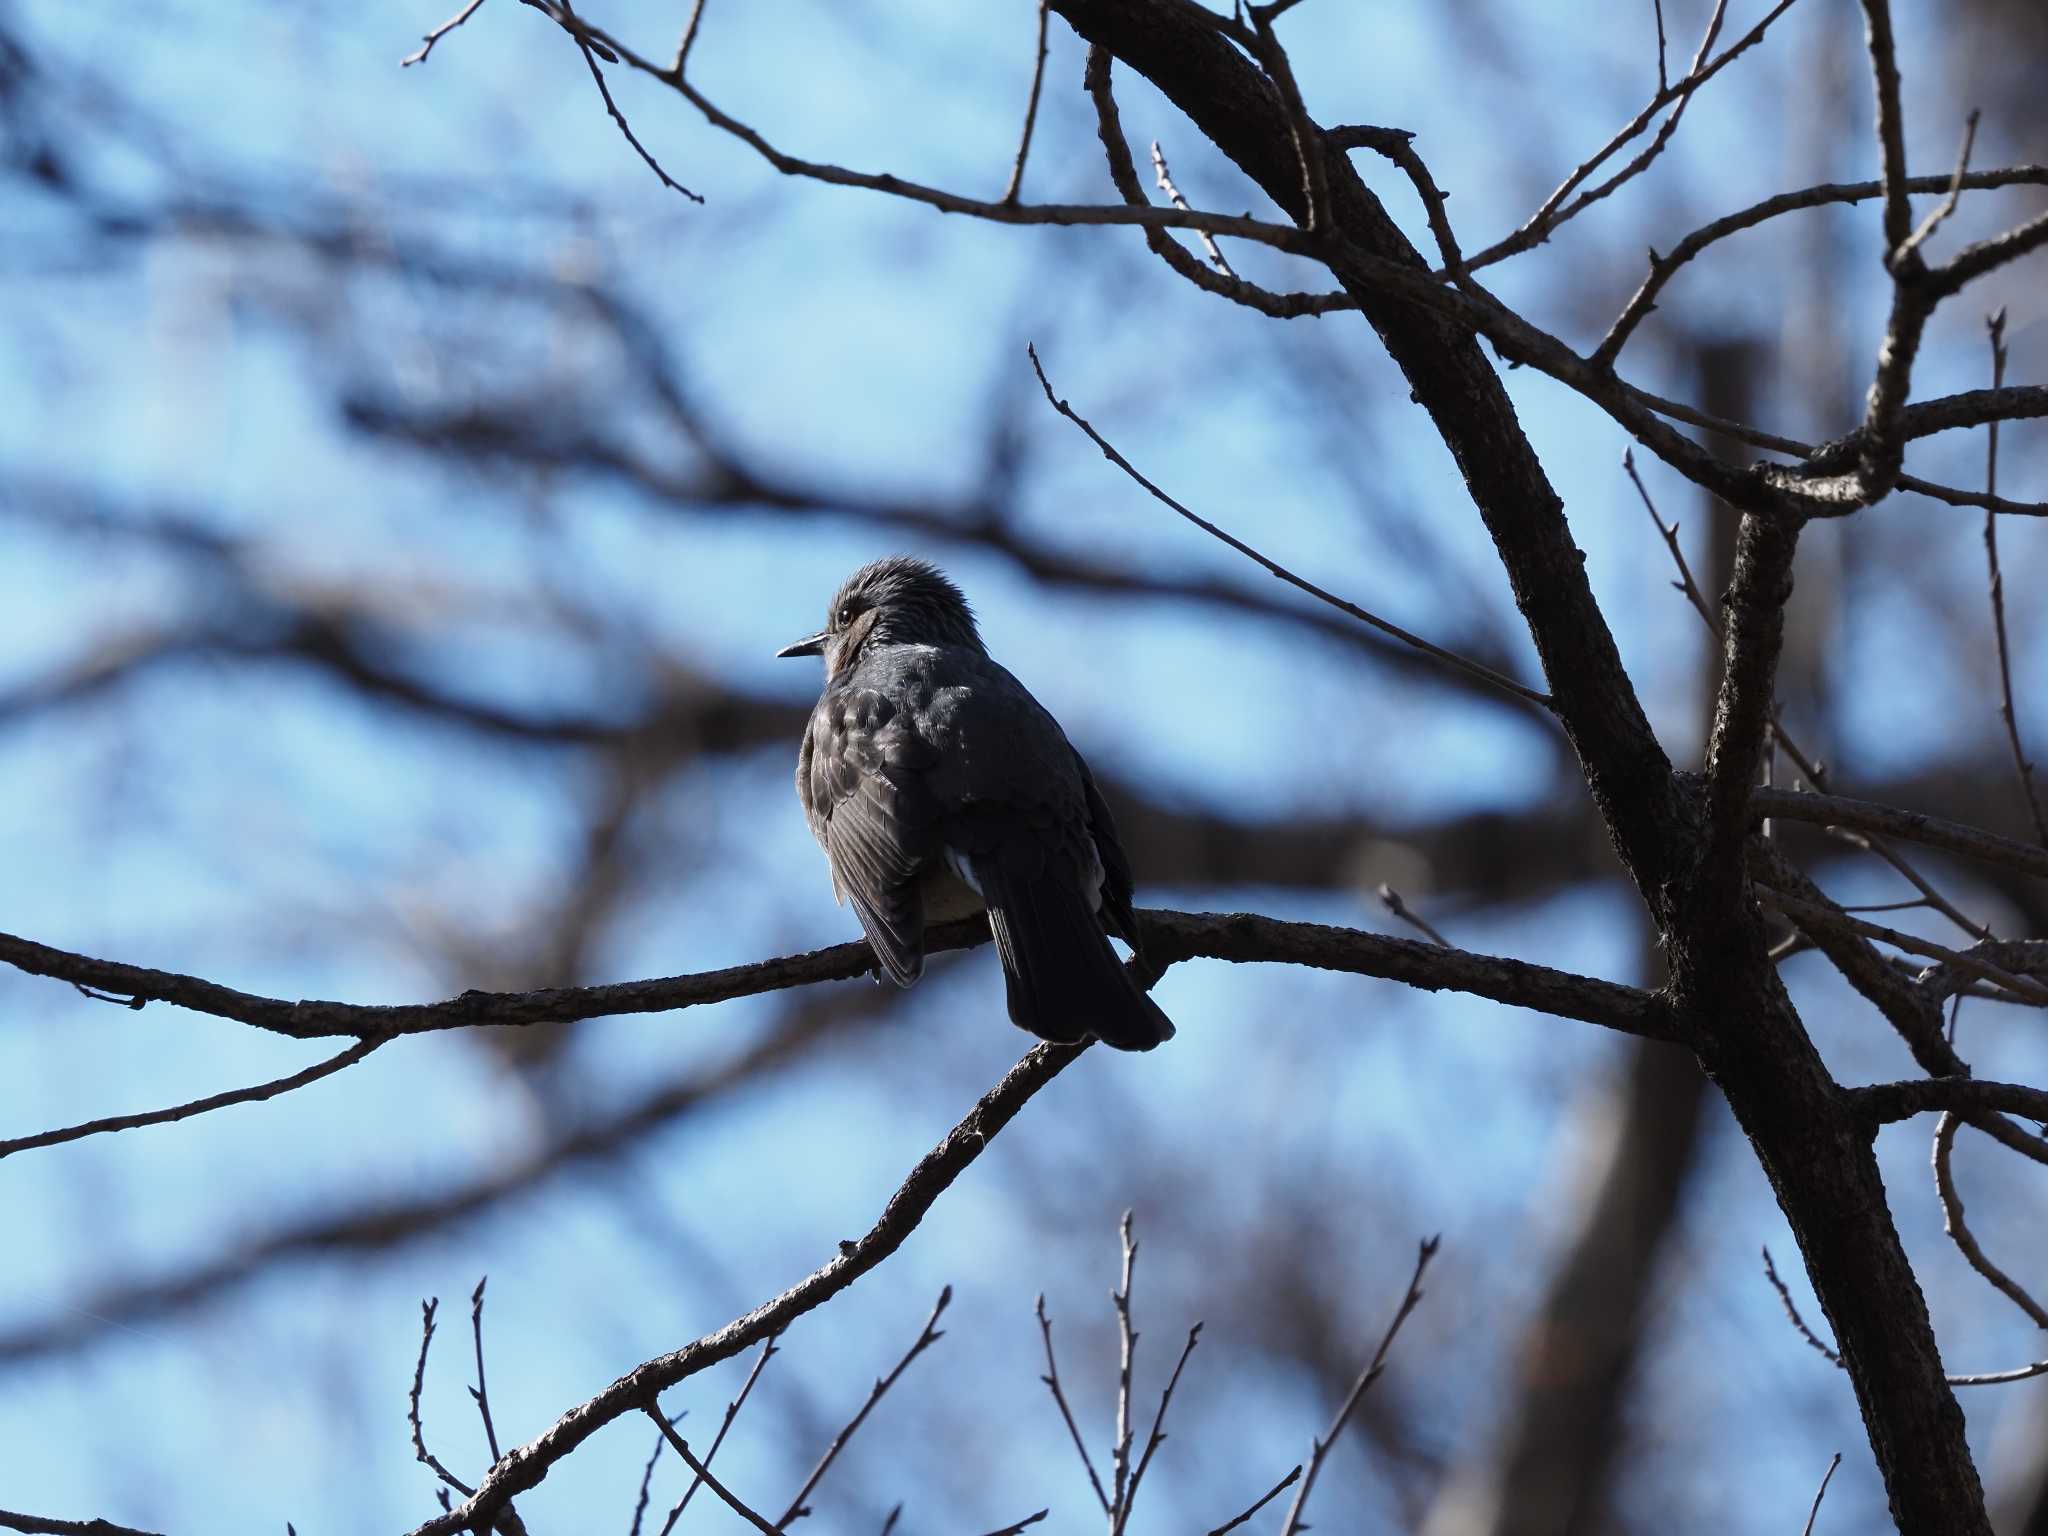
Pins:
x: 940, y: 788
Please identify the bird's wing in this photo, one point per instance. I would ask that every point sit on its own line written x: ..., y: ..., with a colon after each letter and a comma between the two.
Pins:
x: 1017, y: 804
x: 1117, y: 880
x: 1006, y: 783
x: 871, y: 809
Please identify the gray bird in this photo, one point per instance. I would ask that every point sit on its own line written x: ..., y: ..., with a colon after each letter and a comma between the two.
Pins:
x: 940, y: 788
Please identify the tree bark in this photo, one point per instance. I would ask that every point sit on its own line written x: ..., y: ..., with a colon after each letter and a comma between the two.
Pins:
x: 1818, y: 1156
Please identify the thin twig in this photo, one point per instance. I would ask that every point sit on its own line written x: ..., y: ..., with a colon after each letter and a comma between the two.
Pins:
x: 688, y: 40
x: 1554, y: 212
x: 480, y: 1392
x: 1959, y: 1232
x: 1663, y: 80
x: 1264, y: 1499
x: 1165, y: 179
x: 1919, y: 882
x: 2001, y: 1378
x: 1016, y: 185
x: 251, y: 1095
x: 732, y: 1411
x: 927, y: 1336
x: 1123, y: 174
x: 1821, y: 1493
x: 682, y: 1449
x: 1308, y: 148
x: 1994, y: 325
x: 1157, y: 1437
x: 1470, y: 668
x: 647, y: 1481
x: 1391, y: 900
x: 2024, y: 988
x: 586, y: 46
x: 1020, y: 1525
x: 933, y: 1174
x: 1284, y: 237
x: 1989, y: 1379
x: 419, y: 54
x: 1397, y: 145
x: 1663, y: 267
x: 1685, y: 583
x: 1643, y: 158
x: 1941, y: 210
x: 1127, y: 1348
x: 1986, y: 1379
x: 412, y: 1413
x: 1052, y: 1380
x: 1792, y: 1312
x: 1320, y: 1448
x: 895, y: 1514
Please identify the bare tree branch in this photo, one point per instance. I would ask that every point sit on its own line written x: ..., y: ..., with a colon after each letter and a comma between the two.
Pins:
x: 1264, y: 1499
x: 419, y: 54
x: 1051, y: 1378
x: 1319, y: 1447
x: 1178, y: 936
x: 1471, y: 668
x: 1934, y: 831
x: 927, y: 1336
x: 377, y: 1226
x: 480, y: 1393
x: 704, y: 1474
x: 1538, y: 227
x: 1995, y: 326
x: 1664, y: 267
x: 1820, y: 1493
x: 421, y: 1454
x: 253, y: 1095
x: 1883, y: 1103
x: 524, y: 1467
x: 1959, y: 1231
x: 1030, y: 114
x: 732, y: 1411
x: 41, y: 1525
x: 1891, y: 131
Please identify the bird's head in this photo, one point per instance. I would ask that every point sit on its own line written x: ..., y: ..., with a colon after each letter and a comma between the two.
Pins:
x: 897, y: 601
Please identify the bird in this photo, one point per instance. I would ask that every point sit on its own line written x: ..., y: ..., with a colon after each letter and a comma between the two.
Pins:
x: 940, y: 788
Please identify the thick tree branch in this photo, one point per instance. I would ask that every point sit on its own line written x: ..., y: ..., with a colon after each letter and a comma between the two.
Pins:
x: 1753, y: 633
x: 1891, y: 130
x: 1883, y: 1103
x: 41, y: 1525
x: 1170, y: 937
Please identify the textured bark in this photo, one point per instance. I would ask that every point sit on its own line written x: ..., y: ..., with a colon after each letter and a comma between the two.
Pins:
x: 1813, y: 1148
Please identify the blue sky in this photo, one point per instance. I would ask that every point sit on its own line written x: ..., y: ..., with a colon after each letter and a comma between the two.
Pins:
x: 268, y: 830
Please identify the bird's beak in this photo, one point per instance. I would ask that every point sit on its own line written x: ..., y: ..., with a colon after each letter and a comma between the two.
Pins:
x: 810, y: 645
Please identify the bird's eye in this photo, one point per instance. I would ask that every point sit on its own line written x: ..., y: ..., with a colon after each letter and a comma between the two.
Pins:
x: 845, y: 615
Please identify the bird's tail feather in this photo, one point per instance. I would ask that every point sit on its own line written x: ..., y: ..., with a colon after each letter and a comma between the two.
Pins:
x: 1064, y: 980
